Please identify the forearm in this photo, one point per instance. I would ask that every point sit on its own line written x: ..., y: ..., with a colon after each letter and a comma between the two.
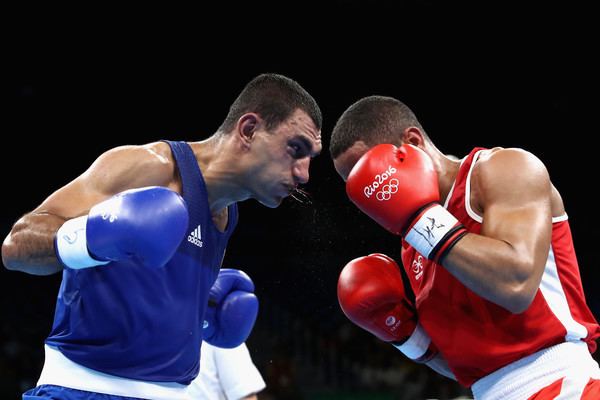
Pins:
x: 29, y: 247
x: 495, y: 270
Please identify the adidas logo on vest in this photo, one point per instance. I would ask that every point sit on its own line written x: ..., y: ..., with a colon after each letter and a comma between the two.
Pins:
x: 195, y: 237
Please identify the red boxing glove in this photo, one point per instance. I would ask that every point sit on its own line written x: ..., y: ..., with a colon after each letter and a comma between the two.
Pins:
x: 371, y: 294
x: 398, y: 188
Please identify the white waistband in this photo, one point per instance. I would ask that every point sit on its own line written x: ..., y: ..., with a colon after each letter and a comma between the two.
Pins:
x: 59, y: 370
x: 525, y: 377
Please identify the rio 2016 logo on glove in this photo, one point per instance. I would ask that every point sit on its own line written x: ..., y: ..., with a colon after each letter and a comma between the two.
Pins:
x: 109, y: 209
x: 379, y: 180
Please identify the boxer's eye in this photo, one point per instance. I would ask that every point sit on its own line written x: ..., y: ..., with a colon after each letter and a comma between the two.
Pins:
x: 299, y: 148
x: 296, y: 150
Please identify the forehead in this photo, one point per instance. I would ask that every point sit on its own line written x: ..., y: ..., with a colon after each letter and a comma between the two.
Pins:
x: 299, y: 124
x: 345, y: 162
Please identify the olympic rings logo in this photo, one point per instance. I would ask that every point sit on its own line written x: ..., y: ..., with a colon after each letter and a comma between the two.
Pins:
x: 388, y: 190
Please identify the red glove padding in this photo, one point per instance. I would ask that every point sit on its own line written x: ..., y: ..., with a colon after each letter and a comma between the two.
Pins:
x: 398, y: 188
x: 371, y: 294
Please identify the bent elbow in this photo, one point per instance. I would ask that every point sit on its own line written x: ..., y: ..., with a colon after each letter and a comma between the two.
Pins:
x: 9, y: 259
x: 520, y: 301
x: 519, y: 307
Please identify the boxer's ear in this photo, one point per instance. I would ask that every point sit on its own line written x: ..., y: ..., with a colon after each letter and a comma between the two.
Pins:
x: 413, y: 135
x: 246, y: 128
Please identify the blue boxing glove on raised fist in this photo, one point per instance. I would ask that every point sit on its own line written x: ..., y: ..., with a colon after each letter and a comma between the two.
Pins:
x: 144, y: 225
x: 232, y: 309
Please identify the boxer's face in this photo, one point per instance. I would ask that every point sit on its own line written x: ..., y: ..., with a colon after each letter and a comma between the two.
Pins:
x: 344, y: 162
x: 282, y: 158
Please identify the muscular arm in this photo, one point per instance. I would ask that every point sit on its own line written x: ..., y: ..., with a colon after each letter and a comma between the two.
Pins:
x: 505, y: 262
x: 29, y: 247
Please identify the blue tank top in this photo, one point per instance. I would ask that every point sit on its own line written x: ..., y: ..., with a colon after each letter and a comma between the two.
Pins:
x: 140, y: 323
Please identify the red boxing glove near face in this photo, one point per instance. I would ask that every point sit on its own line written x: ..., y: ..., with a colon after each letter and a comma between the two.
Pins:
x: 390, y: 184
x: 398, y: 188
x: 371, y: 294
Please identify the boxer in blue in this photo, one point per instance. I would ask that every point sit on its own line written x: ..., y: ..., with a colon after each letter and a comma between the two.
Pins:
x: 139, y: 238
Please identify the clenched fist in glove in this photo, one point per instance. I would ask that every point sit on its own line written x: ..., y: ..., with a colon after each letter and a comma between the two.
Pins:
x: 398, y: 187
x: 371, y: 294
x: 232, y: 309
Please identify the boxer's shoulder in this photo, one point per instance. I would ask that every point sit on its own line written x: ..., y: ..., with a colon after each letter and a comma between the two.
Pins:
x: 130, y: 166
x: 504, y: 157
x: 506, y: 166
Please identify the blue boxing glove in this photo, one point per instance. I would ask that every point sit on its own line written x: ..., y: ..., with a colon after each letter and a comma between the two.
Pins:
x: 144, y: 225
x: 232, y: 309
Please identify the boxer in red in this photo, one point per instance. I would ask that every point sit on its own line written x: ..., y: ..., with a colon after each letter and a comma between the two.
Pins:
x: 487, y: 247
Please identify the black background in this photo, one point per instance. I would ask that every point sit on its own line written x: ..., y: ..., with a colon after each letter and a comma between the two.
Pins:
x: 81, y: 81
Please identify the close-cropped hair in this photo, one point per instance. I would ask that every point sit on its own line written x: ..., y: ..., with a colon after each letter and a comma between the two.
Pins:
x: 274, y: 97
x: 373, y: 120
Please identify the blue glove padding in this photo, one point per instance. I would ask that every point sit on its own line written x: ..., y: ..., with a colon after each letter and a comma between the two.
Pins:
x: 145, y: 225
x: 232, y: 309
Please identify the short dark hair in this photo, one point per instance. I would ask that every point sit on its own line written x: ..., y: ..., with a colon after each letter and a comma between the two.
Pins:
x: 274, y: 97
x: 374, y: 120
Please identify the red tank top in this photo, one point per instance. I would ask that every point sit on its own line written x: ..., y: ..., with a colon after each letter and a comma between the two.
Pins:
x: 477, y: 337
